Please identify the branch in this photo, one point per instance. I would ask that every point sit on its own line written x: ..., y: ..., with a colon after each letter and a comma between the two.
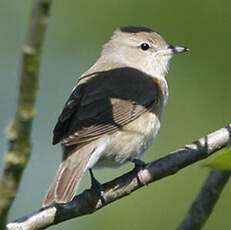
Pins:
x: 18, y: 134
x: 203, y: 206
x: 89, y: 202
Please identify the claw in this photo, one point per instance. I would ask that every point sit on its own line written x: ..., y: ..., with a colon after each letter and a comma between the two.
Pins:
x: 139, y: 164
x: 97, y: 186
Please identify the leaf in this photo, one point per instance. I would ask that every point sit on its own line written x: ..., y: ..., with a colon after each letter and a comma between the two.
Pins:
x: 222, y: 160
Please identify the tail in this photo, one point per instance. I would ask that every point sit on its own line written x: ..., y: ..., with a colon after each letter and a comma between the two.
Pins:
x: 68, y: 177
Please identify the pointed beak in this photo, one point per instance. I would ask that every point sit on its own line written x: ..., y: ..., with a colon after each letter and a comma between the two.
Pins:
x: 178, y: 49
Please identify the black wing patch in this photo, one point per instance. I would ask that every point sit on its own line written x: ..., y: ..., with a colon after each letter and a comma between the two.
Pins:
x: 105, y: 103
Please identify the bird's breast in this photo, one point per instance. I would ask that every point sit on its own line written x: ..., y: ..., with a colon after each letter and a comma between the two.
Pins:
x: 131, y: 141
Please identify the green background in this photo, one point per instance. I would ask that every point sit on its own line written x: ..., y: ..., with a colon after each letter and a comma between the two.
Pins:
x: 199, y: 100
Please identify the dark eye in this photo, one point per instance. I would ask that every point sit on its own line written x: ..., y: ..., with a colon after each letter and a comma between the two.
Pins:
x: 144, y: 46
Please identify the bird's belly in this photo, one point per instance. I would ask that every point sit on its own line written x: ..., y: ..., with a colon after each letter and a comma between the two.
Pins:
x: 131, y: 141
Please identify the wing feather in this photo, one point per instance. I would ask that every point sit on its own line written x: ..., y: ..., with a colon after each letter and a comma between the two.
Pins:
x: 105, y: 103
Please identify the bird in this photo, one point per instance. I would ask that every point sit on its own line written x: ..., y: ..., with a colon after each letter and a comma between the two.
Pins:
x: 114, y: 112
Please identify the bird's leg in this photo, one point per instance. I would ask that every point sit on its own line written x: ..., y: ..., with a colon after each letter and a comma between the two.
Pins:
x: 95, y: 184
x: 139, y: 164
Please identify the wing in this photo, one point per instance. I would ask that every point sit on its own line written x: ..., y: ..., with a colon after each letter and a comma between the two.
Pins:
x: 104, y: 102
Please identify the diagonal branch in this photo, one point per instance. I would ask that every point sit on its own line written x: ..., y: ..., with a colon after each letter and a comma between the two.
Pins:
x: 18, y: 134
x: 203, y: 206
x: 89, y: 202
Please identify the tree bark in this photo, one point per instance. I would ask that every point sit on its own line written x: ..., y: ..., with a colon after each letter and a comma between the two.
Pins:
x: 89, y: 201
x: 18, y: 134
x: 204, y: 204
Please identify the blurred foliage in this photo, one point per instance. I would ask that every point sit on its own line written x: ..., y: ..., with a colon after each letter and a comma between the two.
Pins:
x: 199, y: 100
x: 222, y: 160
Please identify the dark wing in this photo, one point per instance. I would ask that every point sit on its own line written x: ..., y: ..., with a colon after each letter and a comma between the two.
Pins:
x: 104, y: 103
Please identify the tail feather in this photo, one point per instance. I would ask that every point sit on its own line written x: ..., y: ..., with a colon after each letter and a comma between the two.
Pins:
x: 68, y: 177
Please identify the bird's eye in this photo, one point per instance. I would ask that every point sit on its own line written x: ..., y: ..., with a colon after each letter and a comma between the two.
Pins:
x: 144, y: 46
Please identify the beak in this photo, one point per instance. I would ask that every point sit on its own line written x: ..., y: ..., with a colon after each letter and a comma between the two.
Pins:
x: 178, y: 49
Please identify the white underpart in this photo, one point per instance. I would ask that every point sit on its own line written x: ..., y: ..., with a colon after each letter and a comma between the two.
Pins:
x: 131, y: 141
x: 136, y: 137
x: 159, y: 63
x: 158, y: 67
x: 101, y: 145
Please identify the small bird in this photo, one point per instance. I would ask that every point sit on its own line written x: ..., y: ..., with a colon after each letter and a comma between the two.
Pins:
x: 114, y: 112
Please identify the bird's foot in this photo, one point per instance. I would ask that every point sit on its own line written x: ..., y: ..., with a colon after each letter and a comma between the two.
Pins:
x: 97, y: 186
x: 139, y: 165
